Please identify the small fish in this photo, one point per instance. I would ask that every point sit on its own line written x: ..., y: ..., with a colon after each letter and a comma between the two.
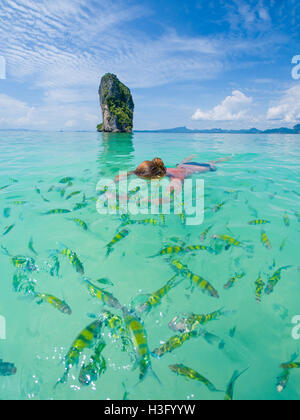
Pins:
x: 170, y: 250
x: 7, y: 230
x: 155, y: 299
x: 233, y: 280
x: 230, y: 387
x: 57, y: 211
x: 7, y: 212
x: 265, y: 240
x: 195, y: 280
x: 190, y: 322
x: 85, y: 340
x: 27, y: 264
x: 81, y: 223
x: 297, y: 214
x: 95, y: 368
x: 73, y: 194
x: 282, y: 381
x: 290, y: 366
x: 13, y: 181
x: 194, y: 248
x: 258, y: 222
x: 54, y: 266
x: 151, y: 221
x: 174, y: 343
x: 205, y: 233
x: 274, y: 280
x: 259, y: 289
x: 31, y: 248
x: 4, y: 188
x: 66, y: 180
x: 117, y: 327
x: 105, y: 281
x: 73, y: 260
x: 139, y: 340
x: 232, y: 332
x: 105, y: 297
x: 45, y: 199
x: 228, y: 240
x: 55, y: 302
x: 19, y: 203
x: 121, y: 235
x: 23, y: 285
x: 37, y: 190
x: 80, y: 206
x: 286, y: 220
x: 217, y: 208
x: 283, y: 244
x: 7, y: 369
x: 192, y: 374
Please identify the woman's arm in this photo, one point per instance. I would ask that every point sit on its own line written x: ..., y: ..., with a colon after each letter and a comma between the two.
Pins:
x: 188, y: 159
x: 120, y: 177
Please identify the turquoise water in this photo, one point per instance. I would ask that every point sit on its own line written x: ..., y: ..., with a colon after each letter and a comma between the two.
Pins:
x: 261, y: 181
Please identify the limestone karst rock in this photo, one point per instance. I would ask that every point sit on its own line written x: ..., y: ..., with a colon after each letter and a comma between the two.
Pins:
x: 117, y: 106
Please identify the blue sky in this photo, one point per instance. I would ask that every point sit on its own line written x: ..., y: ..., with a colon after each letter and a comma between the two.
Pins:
x: 198, y: 63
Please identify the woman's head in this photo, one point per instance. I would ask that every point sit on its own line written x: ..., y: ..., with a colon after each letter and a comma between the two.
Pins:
x: 151, y: 169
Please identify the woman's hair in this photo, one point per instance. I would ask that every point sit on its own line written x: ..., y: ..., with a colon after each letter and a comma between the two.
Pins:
x: 151, y: 169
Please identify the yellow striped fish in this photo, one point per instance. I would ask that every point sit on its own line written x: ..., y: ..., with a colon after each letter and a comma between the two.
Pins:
x: 265, y: 240
x: 73, y: 260
x: 170, y: 250
x: 192, y: 374
x: 25, y: 263
x: 85, y: 340
x: 81, y: 223
x: 286, y: 220
x: 121, y: 235
x: 174, y: 343
x: 233, y: 280
x: 57, y: 211
x: 55, y: 302
x: 155, y: 299
x: 274, y: 280
x: 139, y: 341
x: 105, y: 297
x: 117, y: 328
x: 95, y: 368
x: 190, y: 322
x: 258, y: 222
x: 194, y: 248
x: 259, y: 289
x: 195, y: 280
x: 230, y: 241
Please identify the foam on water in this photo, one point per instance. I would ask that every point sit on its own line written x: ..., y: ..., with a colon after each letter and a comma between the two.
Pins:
x: 262, y: 181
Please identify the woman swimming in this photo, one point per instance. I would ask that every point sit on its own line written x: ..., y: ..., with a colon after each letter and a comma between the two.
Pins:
x: 156, y: 169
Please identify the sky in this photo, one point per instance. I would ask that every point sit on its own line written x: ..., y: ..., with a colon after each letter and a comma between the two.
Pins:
x: 195, y: 63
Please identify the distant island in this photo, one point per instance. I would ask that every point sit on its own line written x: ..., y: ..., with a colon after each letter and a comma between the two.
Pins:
x: 185, y: 130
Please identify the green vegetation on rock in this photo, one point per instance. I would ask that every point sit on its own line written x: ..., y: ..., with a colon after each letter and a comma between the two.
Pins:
x: 117, y: 105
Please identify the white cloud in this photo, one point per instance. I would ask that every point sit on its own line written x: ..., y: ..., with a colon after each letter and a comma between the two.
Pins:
x: 288, y: 108
x: 14, y: 112
x: 233, y: 108
x: 252, y: 17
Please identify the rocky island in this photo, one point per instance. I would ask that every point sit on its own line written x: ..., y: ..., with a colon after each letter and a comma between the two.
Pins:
x: 117, y: 106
